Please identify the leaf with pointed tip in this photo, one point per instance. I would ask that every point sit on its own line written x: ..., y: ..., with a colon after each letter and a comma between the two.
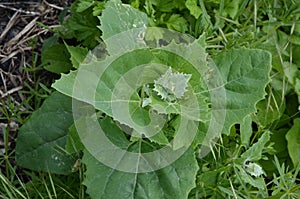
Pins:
x: 246, y: 131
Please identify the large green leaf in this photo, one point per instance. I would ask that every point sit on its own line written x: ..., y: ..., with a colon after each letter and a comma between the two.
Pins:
x: 245, y: 74
x: 173, y: 181
x: 293, y: 140
x: 41, y: 140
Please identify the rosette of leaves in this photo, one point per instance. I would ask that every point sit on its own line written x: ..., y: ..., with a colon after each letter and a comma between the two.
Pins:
x: 134, y: 87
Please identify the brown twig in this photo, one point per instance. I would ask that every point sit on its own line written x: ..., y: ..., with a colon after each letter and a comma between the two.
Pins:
x: 33, y: 36
x: 53, y: 6
x: 24, y: 31
x: 9, y: 25
x: 3, y: 79
x: 20, y: 10
x: 13, y: 54
x: 11, y: 91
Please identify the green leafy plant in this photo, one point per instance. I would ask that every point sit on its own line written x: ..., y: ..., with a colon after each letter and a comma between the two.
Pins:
x: 244, y: 74
x: 141, y: 113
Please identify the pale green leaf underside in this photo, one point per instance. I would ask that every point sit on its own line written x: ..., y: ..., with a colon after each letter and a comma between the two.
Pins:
x: 246, y: 130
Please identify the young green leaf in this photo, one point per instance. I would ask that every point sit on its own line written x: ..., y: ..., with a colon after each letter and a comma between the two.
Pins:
x: 168, y: 5
x: 73, y: 143
x: 81, y: 26
x: 194, y: 9
x: 175, y: 22
x: 171, y: 86
x: 232, y: 7
x: 84, y: 5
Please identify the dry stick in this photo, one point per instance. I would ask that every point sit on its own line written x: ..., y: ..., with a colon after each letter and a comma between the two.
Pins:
x: 11, y: 91
x: 15, y: 3
x: 28, y: 38
x: 20, y: 43
x: 53, y: 6
x: 9, y: 25
x: 20, y: 34
x: 13, y: 54
x: 2, y: 77
x: 19, y: 10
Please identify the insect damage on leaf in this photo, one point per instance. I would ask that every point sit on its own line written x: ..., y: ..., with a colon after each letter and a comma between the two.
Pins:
x: 171, y: 85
